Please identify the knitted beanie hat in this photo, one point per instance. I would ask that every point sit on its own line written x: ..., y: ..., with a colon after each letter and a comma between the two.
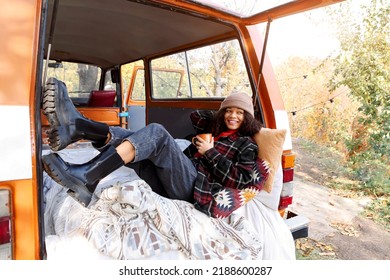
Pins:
x: 239, y: 100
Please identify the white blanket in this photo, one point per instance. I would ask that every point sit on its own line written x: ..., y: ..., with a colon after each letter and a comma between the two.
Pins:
x: 127, y: 220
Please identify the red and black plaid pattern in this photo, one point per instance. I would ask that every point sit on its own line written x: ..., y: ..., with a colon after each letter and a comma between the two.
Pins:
x: 226, y: 173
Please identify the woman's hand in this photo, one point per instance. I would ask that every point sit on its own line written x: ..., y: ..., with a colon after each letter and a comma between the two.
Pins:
x: 203, y: 145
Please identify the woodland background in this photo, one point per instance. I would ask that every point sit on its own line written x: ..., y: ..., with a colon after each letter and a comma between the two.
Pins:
x: 342, y: 102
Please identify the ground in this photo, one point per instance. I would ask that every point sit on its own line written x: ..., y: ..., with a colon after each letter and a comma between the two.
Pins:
x: 337, y: 228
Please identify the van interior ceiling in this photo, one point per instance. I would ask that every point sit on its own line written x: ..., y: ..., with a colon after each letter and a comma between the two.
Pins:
x: 82, y: 25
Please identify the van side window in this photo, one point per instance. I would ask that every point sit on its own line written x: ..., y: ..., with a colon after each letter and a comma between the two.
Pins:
x: 206, y: 72
x: 80, y: 79
x: 108, y: 83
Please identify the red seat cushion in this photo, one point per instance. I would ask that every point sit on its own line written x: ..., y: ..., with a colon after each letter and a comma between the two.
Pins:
x: 102, y: 98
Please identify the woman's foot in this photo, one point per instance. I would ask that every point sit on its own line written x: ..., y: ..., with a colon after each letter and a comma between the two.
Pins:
x: 82, y: 179
x: 61, y: 172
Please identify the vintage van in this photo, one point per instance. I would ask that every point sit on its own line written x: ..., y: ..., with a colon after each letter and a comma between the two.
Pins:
x: 127, y: 63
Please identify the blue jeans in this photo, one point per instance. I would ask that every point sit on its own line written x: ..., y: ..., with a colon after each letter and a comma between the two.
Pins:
x: 157, y: 153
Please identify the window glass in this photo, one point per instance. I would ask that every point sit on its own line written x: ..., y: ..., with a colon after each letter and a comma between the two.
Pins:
x: 108, y: 83
x: 138, y: 92
x: 209, y: 72
x: 133, y: 80
x: 167, y: 83
x: 80, y: 79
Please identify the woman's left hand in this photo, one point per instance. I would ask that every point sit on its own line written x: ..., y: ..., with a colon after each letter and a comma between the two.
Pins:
x: 203, y: 145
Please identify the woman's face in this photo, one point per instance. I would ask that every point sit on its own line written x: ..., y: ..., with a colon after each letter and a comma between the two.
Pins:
x: 233, y: 117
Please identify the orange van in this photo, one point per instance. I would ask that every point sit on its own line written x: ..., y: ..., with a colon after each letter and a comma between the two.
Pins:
x: 126, y: 63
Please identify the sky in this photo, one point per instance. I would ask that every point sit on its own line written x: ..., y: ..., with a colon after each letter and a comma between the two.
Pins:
x: 303, y: 35
x: 298, y: 36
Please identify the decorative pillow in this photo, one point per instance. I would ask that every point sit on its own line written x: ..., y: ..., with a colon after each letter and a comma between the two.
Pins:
x: 270, y: 143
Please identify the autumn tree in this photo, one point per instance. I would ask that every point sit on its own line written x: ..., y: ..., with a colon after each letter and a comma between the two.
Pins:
x: 363, y: 66
x: 315, y: 113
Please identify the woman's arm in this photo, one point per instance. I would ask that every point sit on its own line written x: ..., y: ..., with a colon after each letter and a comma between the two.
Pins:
x: 240, y: 172
x: 202, y: 120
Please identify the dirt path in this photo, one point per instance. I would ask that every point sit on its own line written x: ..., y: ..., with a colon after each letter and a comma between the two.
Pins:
x: 336, y: 228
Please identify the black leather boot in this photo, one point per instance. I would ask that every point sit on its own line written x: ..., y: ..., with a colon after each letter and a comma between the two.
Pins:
x: 67, y: 124
x: 82, y: 179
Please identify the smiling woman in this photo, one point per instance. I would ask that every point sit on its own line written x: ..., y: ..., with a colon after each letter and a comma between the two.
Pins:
x: 233, y: 118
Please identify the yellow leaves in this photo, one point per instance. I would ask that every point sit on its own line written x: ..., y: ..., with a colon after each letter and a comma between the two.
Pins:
x: 309, y: 246
x: 345, y: 229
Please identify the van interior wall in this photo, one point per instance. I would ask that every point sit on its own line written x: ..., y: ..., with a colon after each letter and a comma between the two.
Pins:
x: 175, y: 120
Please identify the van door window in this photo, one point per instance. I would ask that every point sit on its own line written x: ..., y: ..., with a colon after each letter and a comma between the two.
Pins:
x: 133, y: 81
x: 133, y: 84
x: 138, y: 92
x: 208, y: 72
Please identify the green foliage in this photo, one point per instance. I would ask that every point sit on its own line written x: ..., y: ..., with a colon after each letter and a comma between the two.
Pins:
x: 363, y: 66
x: 379, y: 210
x: 373, y: 174
x: 357, y: 120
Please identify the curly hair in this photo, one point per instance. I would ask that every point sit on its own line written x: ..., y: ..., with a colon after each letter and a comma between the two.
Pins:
x: 249, y: 127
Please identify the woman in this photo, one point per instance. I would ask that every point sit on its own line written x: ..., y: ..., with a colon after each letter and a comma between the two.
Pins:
x: 229, y: 171
x: 216, y: 176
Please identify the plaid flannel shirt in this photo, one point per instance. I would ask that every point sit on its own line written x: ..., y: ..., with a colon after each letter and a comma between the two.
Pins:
x: 229, y: 175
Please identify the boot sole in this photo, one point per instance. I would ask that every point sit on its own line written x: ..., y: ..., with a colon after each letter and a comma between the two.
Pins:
x: 58, y: 136
x: 77, y: 190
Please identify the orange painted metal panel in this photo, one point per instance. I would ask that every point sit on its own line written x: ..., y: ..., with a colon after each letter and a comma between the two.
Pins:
x: 24, y: 219
x: 268, y: 89
x: 109, y: 116
x: 288, y: 160
x: 18, y: 21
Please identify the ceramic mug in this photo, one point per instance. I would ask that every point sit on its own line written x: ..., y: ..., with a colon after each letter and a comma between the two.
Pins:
x: 205, y: 136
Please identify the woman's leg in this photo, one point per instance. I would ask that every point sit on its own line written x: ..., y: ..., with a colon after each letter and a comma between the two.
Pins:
x: 153, y: 143
x: 146, y: 170
x: 174, y: 170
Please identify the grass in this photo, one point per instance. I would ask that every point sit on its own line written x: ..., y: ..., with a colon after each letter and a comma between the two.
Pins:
x: 379, y: 211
